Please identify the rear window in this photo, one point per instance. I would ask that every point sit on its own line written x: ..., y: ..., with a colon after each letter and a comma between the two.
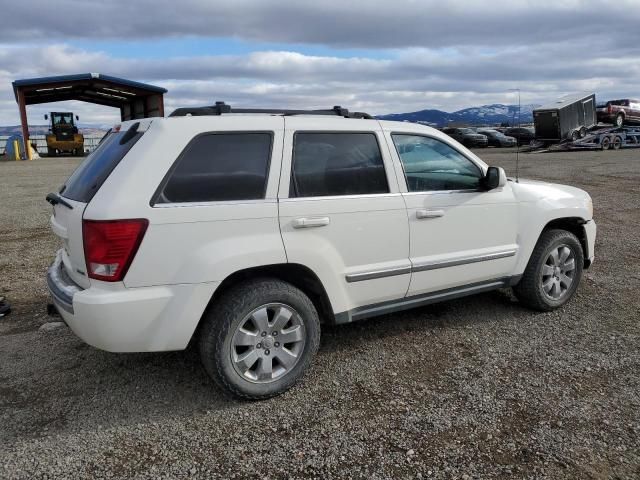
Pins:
x: 218, y: 167
x: 87, y: 179
x: 327, y: 164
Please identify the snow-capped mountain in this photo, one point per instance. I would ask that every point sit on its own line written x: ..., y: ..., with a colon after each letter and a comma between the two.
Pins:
x: 484, y: 115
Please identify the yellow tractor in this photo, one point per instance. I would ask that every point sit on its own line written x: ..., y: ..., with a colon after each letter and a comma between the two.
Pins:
x: 63, y: 136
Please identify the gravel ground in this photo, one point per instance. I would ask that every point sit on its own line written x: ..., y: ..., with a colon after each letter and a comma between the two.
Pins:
x: 468, y: 389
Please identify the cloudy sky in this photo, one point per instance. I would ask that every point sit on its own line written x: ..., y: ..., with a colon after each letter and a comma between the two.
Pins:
x: 380, y: 56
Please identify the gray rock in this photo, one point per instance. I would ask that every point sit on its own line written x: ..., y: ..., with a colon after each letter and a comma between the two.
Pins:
x: 51, y: 326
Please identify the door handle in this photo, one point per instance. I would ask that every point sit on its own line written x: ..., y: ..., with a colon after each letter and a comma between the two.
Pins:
x: 429, y: 214
x: 311, y: 222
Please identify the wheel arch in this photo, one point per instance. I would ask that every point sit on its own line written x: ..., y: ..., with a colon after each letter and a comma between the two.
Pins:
x: 574, y: 225
x: 298, y: 275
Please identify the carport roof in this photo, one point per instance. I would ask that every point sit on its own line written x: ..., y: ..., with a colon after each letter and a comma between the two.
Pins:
x: 87, y: 87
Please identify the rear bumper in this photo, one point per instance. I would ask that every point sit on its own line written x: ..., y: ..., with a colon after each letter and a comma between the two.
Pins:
x: 61, y: 287
x: 118, y: 319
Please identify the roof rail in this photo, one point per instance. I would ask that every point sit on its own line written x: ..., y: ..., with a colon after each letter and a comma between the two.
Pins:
x: 220, y: 108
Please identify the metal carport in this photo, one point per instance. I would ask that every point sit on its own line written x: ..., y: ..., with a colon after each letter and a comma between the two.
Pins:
x: 134, y: 99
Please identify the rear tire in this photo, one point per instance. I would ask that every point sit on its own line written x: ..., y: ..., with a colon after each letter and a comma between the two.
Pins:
x: 617, y: 143
x: 51, y: 152
x: 243, y: 342
x: 606, y: 143
x: 575, y: 135
x: 583, y: 132
x: 553, y: 272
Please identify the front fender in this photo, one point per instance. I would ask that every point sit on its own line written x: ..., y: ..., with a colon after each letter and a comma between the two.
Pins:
x: 542, y: 203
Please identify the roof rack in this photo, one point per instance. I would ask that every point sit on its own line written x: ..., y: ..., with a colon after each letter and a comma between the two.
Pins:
x: 220, y: 107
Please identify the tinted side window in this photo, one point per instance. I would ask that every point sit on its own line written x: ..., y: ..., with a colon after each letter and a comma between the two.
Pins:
x: 87, y: 179
x: 218, y: 167
x: 337, y: 164
x: 620, y: 103
x: 431, y: 165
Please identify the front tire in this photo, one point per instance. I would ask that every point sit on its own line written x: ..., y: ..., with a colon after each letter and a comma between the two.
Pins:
x: 619, y: 120
x: 553, y: 272
x: 259, y: 339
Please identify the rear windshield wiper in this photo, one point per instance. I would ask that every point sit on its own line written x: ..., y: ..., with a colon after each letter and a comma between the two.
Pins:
x: 54, y: 199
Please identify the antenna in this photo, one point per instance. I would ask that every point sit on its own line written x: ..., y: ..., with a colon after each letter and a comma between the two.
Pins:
x: 517, y: 140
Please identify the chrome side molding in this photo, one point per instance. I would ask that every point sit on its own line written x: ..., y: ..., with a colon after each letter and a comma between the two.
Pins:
x: 422, y: 267
x: 390, y: 272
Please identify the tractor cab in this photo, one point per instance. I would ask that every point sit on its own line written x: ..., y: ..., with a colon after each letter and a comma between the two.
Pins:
x: 62, y: 124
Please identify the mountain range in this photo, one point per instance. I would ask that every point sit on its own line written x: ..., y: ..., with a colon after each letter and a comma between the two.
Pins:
x: 483, y: 115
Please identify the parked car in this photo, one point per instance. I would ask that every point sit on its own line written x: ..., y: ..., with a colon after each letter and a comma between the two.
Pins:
x: 523, y: 135
x: 496, y: 138
x: 466, y: 136
x: 242, y: 233
x: 619, y: 112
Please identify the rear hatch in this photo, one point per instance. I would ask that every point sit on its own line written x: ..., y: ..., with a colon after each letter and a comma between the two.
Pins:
x: 547, y: 124
x: 74, y: 196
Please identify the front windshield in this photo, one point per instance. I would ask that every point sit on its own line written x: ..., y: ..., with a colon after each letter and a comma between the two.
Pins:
x: 62, y: 118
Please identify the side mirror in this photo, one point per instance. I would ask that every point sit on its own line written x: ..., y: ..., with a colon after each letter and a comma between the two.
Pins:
x: 494, y: 178
x: 46, y: 117
x: 77, y: 118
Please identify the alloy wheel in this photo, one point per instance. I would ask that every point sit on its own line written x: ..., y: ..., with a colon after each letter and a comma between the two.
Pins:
x: 558, y: 272
x: 268, y: 343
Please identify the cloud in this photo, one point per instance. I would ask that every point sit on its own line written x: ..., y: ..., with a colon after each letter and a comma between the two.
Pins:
x: 338, y: 23
x: 444, y: 55
x: 414, y: 79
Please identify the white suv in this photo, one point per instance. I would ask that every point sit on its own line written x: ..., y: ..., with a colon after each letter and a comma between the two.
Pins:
x: 245, y: 229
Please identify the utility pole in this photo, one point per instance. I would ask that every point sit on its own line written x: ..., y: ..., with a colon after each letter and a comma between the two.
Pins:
x: 518, y: 140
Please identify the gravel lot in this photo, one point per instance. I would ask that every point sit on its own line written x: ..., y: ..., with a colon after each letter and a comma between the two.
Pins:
x: 473, y: 388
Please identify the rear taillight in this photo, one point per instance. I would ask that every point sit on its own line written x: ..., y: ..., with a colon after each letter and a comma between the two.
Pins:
x: 110, y: 245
